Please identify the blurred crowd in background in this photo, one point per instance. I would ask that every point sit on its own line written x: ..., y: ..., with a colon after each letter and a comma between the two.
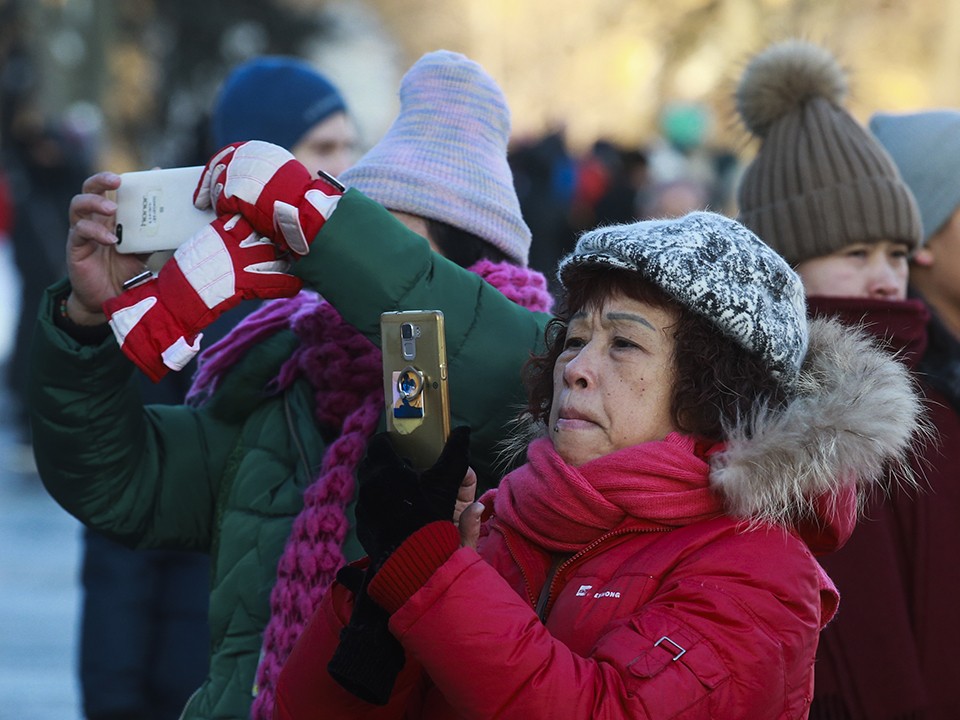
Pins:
x: 563, y: 191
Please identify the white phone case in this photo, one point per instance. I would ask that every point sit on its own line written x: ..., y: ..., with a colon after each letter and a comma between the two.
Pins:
x: 155, y: 209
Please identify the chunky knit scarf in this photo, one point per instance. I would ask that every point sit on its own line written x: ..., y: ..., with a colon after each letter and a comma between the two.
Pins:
x: 656, y: 485
x: 330, y: 353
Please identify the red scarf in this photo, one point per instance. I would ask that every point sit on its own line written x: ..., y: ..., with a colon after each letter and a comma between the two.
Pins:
x: 655, y: 485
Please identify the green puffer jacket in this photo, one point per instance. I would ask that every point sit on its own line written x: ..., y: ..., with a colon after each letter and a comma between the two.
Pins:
x: 227, y: 478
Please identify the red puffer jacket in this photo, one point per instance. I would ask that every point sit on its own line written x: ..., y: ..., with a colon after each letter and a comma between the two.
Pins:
x: 631, y: 631
x: 715, y: 618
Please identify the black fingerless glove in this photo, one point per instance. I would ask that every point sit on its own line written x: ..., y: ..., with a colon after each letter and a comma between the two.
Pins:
x: 395, y: 501
x: 368, y: 657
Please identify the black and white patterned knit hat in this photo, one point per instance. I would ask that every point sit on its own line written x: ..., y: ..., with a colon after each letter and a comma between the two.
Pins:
x: 718, y: 269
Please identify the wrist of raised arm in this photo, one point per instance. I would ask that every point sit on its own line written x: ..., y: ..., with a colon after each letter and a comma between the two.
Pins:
x: 85, y: 327
x: 80, y: 314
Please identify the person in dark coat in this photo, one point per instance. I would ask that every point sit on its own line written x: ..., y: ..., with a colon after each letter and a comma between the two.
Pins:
x: 827, y: 196
x: 926, y: 148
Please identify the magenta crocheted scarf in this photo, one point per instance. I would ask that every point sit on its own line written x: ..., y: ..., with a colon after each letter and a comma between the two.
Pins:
x: 330, y: 352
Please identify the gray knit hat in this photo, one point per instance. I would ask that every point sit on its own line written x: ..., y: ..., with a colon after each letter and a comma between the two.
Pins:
x: 926, y: 148
x: 819, y: 181
x: 717, y: 268
x: 445, y: 156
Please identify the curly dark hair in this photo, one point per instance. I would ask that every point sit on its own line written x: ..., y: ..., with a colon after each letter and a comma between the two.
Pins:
x: 718, y: 383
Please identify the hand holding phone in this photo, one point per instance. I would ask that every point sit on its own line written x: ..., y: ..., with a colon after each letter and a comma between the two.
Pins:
x: 95, y: 269
x: 155, y: 209
x: 415, y: 384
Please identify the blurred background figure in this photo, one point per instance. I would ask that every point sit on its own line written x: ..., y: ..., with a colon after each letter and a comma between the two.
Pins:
x: 286, y: 101
x: 926, y: 148
x: 627, y: 183
x: 544, y: 174
x: 43, y: 162
x: 9, y: 282
x: 826, y: 195
x: 680, y: 150
x: 674, y: 198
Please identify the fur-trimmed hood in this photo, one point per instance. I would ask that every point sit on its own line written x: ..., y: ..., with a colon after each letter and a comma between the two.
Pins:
x: 847, y: 431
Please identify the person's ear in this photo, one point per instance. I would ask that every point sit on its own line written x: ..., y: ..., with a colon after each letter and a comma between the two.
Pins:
x: 922, y: 257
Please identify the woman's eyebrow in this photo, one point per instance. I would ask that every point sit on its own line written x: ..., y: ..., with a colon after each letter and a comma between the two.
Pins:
x: 630, y: 316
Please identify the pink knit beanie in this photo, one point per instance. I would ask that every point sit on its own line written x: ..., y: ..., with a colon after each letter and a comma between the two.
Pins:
x: 445, y: 156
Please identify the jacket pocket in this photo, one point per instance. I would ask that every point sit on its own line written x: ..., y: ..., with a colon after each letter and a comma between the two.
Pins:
x: 680, y: 647
x: 672, y: 670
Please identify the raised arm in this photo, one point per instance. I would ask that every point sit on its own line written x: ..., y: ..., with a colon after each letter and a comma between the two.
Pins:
x: 365, y: 262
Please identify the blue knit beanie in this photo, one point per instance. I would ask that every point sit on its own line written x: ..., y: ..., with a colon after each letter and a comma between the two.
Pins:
x: 275, y: 99
x: 445, y: 155
x: 926, y: 148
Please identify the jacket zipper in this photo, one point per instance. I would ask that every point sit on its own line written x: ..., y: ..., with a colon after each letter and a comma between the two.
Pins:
x: 523, y: 571
x: 545, y: 604
x: 558, y: 561
x: 295, y: 436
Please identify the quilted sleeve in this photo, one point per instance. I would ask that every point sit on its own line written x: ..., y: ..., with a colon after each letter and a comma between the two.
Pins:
x: 144, y: 476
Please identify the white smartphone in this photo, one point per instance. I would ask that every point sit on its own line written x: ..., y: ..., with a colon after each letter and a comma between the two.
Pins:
x: 415, y: 384
x: 155, y: 209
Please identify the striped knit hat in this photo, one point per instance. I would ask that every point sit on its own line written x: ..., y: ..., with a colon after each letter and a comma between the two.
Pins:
x: 819, y: 181
x: 445, y: 156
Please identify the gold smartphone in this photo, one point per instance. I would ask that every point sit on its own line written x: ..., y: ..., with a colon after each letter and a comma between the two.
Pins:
x: 415, y: 384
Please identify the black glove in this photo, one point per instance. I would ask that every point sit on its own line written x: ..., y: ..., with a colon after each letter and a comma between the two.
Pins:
x: 395, y: 501
x: 368, y: 657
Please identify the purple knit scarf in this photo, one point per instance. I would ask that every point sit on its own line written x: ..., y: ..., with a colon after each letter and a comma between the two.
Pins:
x: 331, y: 352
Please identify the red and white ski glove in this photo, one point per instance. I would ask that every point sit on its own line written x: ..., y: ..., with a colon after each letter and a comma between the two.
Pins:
x: 158, y: 323
x: 272, y: 190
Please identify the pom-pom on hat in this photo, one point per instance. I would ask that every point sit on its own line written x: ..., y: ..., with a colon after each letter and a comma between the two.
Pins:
x: 819, y: 181
x: 275, y: 99
x: 926, y: 148
x: 445, y: 155
x: 717, y: 268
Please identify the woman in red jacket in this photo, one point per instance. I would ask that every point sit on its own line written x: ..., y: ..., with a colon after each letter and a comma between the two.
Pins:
x: 696, y: 440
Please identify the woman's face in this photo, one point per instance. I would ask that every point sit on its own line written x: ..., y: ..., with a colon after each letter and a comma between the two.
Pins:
x: 613, y: 381
x: 876, y: 270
